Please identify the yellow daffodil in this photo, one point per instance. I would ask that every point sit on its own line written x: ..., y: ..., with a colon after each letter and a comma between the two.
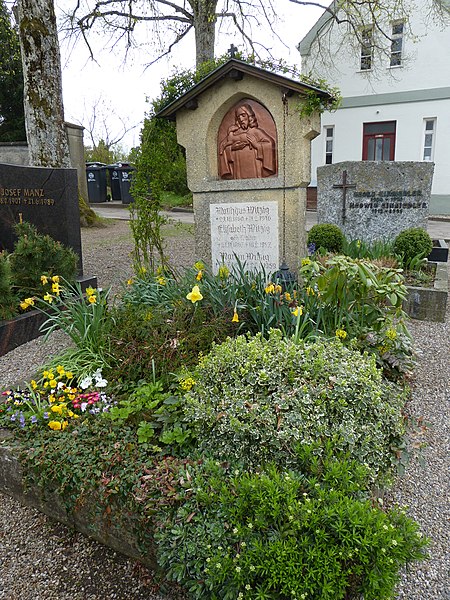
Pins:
x: 306, y: 261
x: 199, y: 276
x: 199, y: 265
x: 48, y: 298
x: 341, y: 334
x: 130, y: 282
x: 187, y: 384
x: 55, y: 425
x: 90, y: 291
x: 69, y: 374
x: 224, y: 272
x: 235, y: 318
x: 278, y: 289
x: 288, y: 297
x: 26, y: 303
x: 92, y: 299
x: 55, y: 278
x: 60, y: 370
x: 33, y: 384
x: 270, y: 288
x: 55, y: 288
x: 53, y: 383
x: 161, y: 280
x: 298, y: 311
x: 195, y: 295
x: 44, y: 279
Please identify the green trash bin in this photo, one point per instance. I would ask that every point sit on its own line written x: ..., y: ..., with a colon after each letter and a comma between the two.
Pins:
x: 96, y: 182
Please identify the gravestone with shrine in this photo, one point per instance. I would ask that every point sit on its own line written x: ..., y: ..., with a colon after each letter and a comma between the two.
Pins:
x: 374, y: 200
x: 45, y: 197
x: 248, y: 164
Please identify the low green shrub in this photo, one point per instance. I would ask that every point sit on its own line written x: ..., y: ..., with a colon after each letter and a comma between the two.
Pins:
x: 326, y: 236
x: 412, y: 243
x: 305, y: 534
x: 8, y: 299
x: 35, y: 255
x: 254, y: 399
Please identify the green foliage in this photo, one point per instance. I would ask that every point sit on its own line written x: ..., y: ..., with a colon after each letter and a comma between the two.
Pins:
x: 274, y: 535
x: 411, y: 244
x: 35, y: 255
x: 161, y: 336
x: 359, y: 300
x: 255, y: 399
x: 326, y: 236
x: 376, y: 250
x: 8, y: 301
x: 12, y: 116
x: 84, y: 320
x: 104, y: 153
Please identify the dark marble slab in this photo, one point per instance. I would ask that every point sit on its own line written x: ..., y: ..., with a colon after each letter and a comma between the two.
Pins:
x: 45, y: 197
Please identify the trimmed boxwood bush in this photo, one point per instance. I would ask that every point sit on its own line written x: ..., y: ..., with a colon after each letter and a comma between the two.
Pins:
x: 412, y: 243
x: 327, y: 236
x: 255, y: 399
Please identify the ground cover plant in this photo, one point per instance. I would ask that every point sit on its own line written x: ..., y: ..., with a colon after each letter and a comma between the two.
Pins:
x: 234, y: 426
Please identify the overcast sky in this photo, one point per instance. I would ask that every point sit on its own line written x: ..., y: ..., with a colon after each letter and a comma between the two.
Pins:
x: 123, y: 88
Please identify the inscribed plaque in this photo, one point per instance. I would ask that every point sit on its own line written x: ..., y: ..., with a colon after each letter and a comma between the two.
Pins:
x: 246, y: 231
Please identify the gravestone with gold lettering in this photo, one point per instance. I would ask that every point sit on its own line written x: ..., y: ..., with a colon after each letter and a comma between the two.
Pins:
x: 374, y: 200
x: 248, y: 164
x: 45, y: 197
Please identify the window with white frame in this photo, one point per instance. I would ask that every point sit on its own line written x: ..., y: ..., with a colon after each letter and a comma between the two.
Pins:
x: 428, y: 139
x: 366, y: 48
x: 398, y: 29
x: 329, y: 141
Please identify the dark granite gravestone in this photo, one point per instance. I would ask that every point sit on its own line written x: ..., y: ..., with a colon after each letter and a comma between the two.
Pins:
x: 45, y: 197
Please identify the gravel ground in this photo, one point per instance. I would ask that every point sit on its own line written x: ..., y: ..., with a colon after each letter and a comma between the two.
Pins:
x: 43, y: 560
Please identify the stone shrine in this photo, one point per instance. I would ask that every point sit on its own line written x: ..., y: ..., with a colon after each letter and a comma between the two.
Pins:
x: 248, y: 164
x: 374, y: 200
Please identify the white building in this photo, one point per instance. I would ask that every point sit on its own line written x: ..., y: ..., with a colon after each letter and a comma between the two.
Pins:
x: 396, y: 93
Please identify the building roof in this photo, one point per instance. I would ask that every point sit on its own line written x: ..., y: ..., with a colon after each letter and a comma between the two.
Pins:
x: 235, y: 69
x: 304, y: 47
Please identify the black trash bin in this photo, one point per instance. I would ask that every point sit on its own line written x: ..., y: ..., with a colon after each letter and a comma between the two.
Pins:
x: 125, y: 176
x: 114, y: 180
x: 96, y: 181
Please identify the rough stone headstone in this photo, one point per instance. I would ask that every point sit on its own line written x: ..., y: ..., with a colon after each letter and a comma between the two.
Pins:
x: 248, y: 165
x: 374, y: 200
x: 45, y: 197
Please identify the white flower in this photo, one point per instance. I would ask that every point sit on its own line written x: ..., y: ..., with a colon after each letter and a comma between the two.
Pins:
x: 84, y: 405
x: 86, y: 382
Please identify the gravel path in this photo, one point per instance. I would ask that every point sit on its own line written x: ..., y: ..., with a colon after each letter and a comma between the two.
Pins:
x: 43, y: 560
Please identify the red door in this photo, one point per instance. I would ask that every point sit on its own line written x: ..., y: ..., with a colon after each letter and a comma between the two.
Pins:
x: 379, y: 141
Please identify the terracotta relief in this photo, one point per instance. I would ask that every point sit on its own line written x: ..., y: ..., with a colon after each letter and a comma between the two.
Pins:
x: 247, y: 144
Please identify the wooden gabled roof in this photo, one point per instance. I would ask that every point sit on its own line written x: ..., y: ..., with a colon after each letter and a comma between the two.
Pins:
x: 235, y: 69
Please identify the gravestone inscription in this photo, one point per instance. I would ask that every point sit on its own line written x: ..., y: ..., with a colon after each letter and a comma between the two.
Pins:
x: 245, y: 232
x: 45, y: 197
x: 374, y: 200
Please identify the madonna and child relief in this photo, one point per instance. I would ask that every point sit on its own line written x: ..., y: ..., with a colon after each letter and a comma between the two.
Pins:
x: 247, y: 142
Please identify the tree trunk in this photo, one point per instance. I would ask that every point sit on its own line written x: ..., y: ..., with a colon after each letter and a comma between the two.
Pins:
x: 44, y: 113
x: 205, y: 29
